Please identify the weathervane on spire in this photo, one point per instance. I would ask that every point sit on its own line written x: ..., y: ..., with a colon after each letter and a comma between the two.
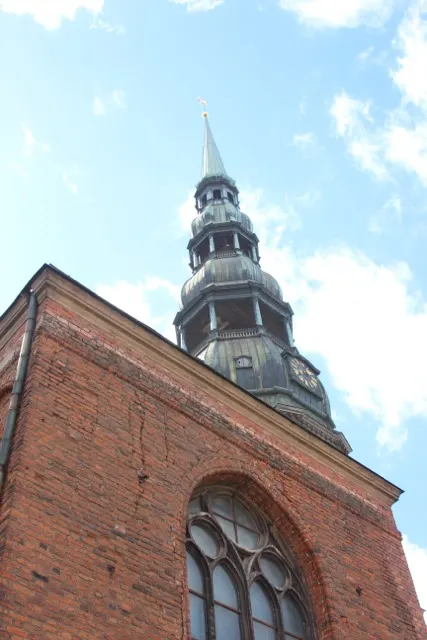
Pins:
x: 205, y: 104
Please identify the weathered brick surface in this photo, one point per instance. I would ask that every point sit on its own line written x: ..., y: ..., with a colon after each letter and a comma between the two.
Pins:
x: 110, y: 446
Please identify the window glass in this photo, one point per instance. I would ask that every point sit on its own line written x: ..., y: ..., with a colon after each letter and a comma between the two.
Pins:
x: 197, y: 600
x: 228, y: 527
x: 262, y: 613
x: 247, y: 538
x: 261, y: 605
x: 224, y: 589
x: 261, y: 632
x: 227, y: 624
x: 222, y: 506
x: 195, y: 576
x: 205, y: 540
x: 198, y: 617
x: 236, y: 521
x: 272, y: 571
x: 244, y: 517
x: 293, y: 620
x: 227, y: 610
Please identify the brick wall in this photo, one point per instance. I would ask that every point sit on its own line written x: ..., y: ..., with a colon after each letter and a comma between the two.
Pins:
x: 109, y: 448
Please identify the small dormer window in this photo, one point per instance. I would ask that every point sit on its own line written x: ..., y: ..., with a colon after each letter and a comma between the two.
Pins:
x: 217, y: 194
x: 245, y: 373
x: 204, y: 200
x: 230, y: 196
x: 243, y: 362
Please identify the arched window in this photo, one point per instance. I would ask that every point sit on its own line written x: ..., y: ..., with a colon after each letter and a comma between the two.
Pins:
x: 243, y: 584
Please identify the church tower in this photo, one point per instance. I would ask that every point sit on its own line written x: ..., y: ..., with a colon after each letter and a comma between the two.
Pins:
x: 233, y: 314
x: 147, y: 496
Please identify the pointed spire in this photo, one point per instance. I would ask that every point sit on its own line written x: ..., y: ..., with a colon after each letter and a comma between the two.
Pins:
x: 212, y: 161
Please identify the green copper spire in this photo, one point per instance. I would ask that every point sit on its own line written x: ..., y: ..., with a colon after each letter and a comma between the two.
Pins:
x: 212, y: 161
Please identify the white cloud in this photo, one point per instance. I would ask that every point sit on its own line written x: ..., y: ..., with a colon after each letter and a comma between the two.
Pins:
x: 309, y: 198
x: 263, y: 213
x: 345, y: 13
x: 389, y: 213
x: 69, y: 184
x: 199, y: 5
x: 405, y: 135
x: 366, y: 54
x: 417, y: 561
x: 98, y: 107
x: 410, y: 76
x: 342, y: 301
x: 304, y: 140
x: 102, y: 25
x: 187, y: 212
x: 116, y: 99
x: 349, y: 114
x: 374, y: 378
x: 400, y: 140
x: 18, y: 168
x: 31, y: 144
x: 372, y: 56
x: 137, y: 299
x: 119, y: 98
x: 366, y: 152
x: 354, y: 123
x: 407, y: 147
x: 50, y: 13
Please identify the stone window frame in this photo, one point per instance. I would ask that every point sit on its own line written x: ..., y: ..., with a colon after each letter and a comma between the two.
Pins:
x: 242, y: 566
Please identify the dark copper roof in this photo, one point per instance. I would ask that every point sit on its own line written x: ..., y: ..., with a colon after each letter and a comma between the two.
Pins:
x: 220, y: 213
x: 223, y: 270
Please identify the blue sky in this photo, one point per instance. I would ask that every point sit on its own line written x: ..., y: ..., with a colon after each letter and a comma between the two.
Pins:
x: 320, y: 112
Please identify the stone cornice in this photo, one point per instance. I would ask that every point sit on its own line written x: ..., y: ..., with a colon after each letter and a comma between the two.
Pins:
x: 51, y: 283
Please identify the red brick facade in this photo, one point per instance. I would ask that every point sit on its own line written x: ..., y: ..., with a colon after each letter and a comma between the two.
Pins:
x: 116, y: 429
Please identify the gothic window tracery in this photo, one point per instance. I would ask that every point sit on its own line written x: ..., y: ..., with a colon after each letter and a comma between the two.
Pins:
x: 242, y: 584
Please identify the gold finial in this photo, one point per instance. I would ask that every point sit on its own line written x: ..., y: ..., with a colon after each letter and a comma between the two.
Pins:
x: 205, y: 104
